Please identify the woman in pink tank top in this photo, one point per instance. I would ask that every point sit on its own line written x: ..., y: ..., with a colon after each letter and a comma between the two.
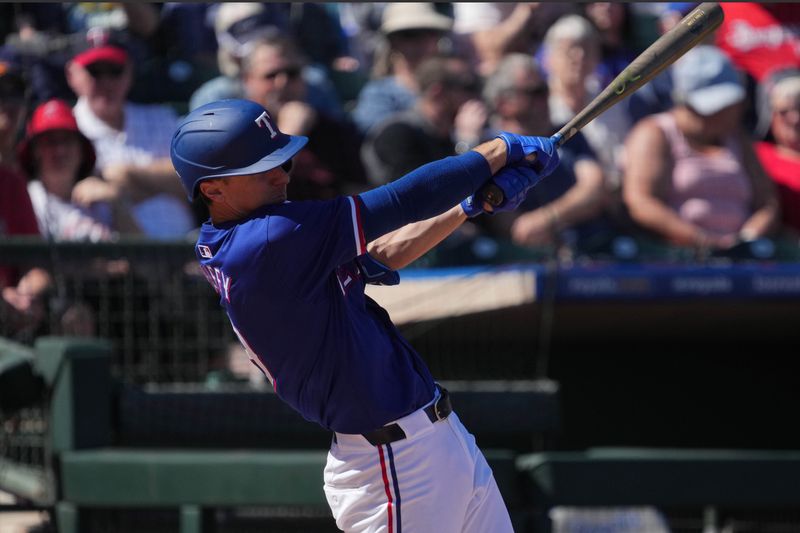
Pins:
x: 691, y: 174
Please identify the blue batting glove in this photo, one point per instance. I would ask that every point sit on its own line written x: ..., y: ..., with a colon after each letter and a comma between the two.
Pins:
x: 520, y: 146
x: 471, y: 206
x: 515, y: 182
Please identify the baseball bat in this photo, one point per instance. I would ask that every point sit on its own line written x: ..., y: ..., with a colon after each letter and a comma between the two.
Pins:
x: 701, y: 21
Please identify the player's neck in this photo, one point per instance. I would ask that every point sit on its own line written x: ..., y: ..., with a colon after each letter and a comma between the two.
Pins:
x: 224, y: 212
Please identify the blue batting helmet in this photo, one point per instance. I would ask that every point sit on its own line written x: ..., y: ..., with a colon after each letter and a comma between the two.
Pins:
x: 228, y: 138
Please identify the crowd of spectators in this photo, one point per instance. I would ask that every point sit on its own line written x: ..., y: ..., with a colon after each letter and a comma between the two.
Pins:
x: 705, y: 156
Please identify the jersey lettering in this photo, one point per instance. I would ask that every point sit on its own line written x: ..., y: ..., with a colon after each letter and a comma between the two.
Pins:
x: 263, y: 121
x: 218, y: 280
x: 346, y: 274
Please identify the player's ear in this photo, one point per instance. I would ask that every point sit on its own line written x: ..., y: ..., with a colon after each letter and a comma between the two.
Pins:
x: 212, y: 190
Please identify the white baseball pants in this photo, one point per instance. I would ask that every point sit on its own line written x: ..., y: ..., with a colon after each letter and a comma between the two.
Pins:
x: 434, y: 480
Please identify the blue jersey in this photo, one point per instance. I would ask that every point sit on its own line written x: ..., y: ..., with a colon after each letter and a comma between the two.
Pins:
x: 289, y: 282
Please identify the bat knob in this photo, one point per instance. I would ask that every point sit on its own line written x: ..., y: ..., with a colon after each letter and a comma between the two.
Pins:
x: 491, y: 194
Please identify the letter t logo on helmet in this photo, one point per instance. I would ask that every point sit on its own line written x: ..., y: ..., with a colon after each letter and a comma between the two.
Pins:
x: 263, y: 121
x: 227, y: 138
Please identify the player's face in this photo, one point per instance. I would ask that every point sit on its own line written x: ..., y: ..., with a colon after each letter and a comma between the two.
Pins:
x: 252, y: 191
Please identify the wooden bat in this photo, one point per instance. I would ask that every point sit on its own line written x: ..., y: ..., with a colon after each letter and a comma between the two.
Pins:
x: 701, y: 21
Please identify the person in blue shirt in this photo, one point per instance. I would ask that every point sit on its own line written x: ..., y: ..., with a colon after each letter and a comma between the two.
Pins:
x: 291, y: 277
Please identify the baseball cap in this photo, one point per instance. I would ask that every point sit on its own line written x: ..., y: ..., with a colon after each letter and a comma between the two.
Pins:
x: 100, y: 45
x: 237, y: 25
x: 706, y: 80
x: 403, y: 16
x: 53, y: 115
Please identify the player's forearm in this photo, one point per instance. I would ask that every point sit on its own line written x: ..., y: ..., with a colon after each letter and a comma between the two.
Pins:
x: 430, y: 190
x: 401, y: 247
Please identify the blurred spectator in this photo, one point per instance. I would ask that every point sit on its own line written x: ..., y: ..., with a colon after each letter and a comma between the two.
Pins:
x: 13, y: 96
x: 16, y: 218
x: 412, y: 32
x: 56, y: 155
x: 238, y: 26
x: 329, y: 164
x: 570, y: 56
x: 360, y: 22
x: 131, y: 140
x: 22, y: 307
x: 409, y: 139
x: 571, y: 200
x: 47, y: 32
x: 486, y: 31
x: 613, y: 21
x: 780, y: 153
x: 691, y: 173
x: 186, y: 30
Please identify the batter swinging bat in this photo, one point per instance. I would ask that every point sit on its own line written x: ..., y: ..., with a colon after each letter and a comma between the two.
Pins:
x: 701, y: 21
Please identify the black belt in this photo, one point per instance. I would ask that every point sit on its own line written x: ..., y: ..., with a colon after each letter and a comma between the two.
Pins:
x: 438, y: 410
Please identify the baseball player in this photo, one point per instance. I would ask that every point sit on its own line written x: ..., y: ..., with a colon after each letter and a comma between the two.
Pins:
x: 291, y: 277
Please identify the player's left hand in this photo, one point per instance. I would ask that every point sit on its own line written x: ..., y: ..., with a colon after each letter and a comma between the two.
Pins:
x: 514, y: 181
x: 521, y: 146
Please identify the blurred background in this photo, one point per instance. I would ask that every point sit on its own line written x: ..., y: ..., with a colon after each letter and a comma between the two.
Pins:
x: 623, y: 347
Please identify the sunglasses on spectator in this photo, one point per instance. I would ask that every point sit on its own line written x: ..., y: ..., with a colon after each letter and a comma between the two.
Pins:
x: 105, y: 70
x: 290, y: 72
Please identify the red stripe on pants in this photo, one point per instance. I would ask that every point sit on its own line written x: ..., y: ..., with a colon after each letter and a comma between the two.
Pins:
x: 386, y: 488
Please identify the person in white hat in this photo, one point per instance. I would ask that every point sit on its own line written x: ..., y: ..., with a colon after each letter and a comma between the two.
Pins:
x: 691, y: 175
x: 413, y: 32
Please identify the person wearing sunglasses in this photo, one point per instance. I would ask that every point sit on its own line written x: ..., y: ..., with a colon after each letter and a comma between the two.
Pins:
x: 780, y: 151
x: 410, y: 32
x: 447, y: 118
x: 131, y: 140
x: 329, y: 164
x: 573, y: 199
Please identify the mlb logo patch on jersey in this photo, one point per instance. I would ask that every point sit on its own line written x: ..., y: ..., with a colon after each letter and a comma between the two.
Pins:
x: 205, y: 251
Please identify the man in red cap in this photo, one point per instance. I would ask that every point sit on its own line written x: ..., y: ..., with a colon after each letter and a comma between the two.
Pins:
x: 131, y: 140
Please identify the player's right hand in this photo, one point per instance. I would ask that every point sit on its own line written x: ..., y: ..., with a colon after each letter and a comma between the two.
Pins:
x: 521, y: 146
